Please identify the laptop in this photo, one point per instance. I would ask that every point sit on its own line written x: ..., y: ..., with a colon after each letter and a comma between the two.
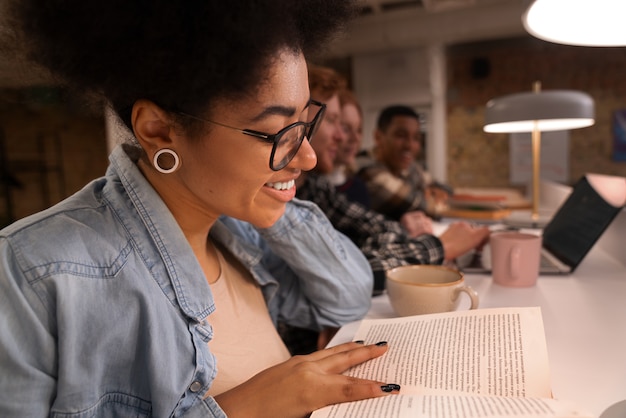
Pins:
x: 576, y: 226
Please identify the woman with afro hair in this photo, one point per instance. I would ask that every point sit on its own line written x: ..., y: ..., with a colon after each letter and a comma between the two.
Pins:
x: 156, y: 289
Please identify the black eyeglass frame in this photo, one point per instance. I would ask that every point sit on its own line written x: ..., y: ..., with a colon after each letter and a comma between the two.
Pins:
x: 309, y: 130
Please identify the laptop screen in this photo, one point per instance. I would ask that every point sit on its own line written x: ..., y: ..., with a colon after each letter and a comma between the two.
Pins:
x: 578, y: 224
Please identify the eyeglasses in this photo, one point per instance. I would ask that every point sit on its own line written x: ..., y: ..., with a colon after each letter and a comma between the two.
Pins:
x: 286, y: 142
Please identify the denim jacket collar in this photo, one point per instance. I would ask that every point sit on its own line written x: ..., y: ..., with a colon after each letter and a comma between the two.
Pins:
x: 162, y: 230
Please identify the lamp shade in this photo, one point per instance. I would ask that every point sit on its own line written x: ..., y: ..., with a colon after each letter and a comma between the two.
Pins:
x: 577, y: 22
x: 549, y: 110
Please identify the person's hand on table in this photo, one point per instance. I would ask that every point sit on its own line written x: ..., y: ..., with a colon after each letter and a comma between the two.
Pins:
x: 461, y: 237
x: 303, y: 384
x: 436, y: 198
x: 437, y: 194
x: 416, y: 223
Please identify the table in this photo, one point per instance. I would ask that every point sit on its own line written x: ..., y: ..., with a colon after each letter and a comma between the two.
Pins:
x: 584, y: 317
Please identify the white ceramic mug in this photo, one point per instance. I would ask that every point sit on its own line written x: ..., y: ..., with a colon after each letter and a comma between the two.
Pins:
x: 424, y: 289
x: 515, y: 258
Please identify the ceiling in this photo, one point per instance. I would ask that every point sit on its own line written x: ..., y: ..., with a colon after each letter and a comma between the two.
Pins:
x: 381, y: 6
x: 397, y: 24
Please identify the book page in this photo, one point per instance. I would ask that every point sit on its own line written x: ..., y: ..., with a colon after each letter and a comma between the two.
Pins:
x: 458, y: 406
x: 486, y: 351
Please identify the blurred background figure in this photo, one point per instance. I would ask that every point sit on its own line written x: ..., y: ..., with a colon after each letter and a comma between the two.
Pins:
x: 343, y: 176
x: 397, y: 184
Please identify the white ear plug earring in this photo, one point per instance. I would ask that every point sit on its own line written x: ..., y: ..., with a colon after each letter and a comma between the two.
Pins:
x: 172, y: 154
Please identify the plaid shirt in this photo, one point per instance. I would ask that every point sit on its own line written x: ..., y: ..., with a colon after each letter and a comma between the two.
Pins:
x: 383, y: 241
x: 392, y: 195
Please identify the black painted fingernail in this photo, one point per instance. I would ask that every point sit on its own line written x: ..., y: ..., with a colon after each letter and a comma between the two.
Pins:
x: 381, y: 343
x: 360, y: 342
x: 390, y: 387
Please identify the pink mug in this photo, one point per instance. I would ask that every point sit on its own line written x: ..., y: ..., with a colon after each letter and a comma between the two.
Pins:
x: 515, y: 258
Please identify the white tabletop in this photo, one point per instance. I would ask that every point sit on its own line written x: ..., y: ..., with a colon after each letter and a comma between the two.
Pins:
x: 585, y: 324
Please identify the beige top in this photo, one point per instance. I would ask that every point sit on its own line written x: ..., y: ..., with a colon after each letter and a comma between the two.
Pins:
x: 245, y: 340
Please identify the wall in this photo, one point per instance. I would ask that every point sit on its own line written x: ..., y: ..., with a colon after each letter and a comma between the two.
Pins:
x: 414, y: 77
x: 510, y: 66
x: 388, y: 78
x: 73, y: 147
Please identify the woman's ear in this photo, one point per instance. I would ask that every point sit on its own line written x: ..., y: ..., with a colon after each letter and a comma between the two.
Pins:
x: 152, y: 126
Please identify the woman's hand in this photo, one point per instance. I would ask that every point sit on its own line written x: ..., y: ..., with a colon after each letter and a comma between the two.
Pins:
x: 416, y: 223
x: 303, y: 384
x: 461, y: 237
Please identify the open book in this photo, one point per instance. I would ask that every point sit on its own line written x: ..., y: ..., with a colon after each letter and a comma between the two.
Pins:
x: 475, y: 363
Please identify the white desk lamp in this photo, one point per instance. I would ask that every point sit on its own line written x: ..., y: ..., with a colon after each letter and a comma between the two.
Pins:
x: 537, y: 111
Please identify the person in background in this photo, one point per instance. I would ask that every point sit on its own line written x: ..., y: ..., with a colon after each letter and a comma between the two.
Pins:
x: 415, y: 222
x: 344, y: 175
x: 395, y: 181
x: 155, y: 290
x: 385, y: 242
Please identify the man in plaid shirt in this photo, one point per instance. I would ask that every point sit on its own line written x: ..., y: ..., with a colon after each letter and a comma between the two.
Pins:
x: 395, y: 182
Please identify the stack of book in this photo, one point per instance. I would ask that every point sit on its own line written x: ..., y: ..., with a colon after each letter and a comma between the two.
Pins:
x: 484, y: 203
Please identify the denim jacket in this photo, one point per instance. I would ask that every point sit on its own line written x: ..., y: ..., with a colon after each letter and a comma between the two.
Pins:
x: 105, y: 311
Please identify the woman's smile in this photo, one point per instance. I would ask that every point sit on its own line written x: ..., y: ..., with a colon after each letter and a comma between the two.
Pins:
x: 282, y: 185
x: 283, y: 191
